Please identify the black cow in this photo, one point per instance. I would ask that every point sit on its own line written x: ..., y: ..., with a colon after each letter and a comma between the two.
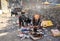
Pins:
x: 15, y: 11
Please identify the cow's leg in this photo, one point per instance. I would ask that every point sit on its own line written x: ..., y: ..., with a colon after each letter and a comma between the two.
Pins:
x: 16, y: 14
x: 11, y: 14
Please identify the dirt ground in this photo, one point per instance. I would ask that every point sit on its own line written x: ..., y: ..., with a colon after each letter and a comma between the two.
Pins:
x: 9, y: 27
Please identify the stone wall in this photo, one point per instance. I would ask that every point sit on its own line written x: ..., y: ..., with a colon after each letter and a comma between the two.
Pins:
x: 4, y: 5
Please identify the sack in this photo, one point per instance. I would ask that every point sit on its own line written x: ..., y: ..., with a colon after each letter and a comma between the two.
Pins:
x: 55, y: 32
x: 46, y: 23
